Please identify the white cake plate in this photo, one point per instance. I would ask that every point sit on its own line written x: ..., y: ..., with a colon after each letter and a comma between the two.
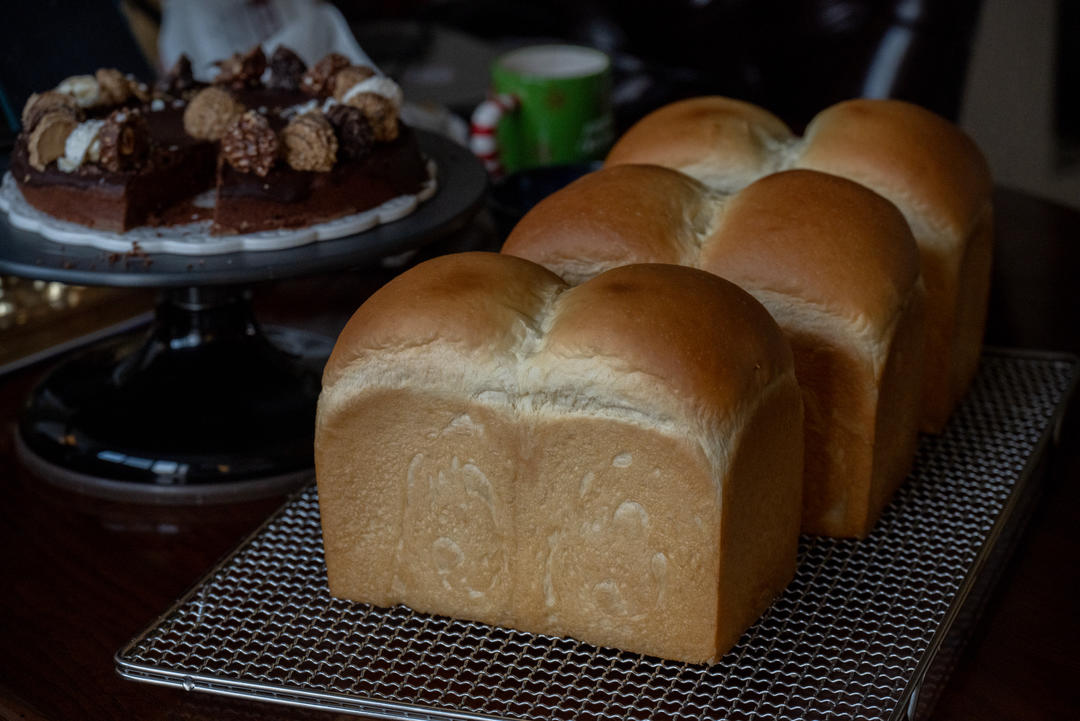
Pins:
x: 195, y: 238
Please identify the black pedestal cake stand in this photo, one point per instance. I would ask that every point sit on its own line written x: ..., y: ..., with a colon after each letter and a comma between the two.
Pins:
x: 207, y: 405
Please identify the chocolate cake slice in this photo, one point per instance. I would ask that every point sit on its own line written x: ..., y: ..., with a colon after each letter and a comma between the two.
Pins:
x: 289, y: 198
x: 177, y: 167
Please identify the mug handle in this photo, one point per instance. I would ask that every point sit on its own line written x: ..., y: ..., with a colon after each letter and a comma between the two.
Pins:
x: 484, y: 120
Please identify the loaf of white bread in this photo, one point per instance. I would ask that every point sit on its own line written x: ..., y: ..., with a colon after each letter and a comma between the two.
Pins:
x: 619, y: 462
x: 925, y: 165
x: 833, y: 262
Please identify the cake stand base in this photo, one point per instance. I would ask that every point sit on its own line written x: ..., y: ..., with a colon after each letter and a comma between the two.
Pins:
x: 207, y: 407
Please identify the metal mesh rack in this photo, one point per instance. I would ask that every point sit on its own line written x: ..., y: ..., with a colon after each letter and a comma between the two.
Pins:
x: 851, y: 637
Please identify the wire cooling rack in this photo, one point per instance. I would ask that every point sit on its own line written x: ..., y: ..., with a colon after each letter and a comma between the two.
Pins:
x: 851, y: 637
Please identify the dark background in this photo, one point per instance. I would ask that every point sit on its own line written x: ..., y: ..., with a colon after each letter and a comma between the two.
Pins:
x: 793, y: 57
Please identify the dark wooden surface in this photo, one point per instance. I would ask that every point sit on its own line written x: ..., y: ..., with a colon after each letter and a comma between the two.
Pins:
x: 79, y: 577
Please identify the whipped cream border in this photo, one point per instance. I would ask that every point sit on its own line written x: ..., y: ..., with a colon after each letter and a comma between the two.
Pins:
x: 379, y: 85
x: 82, y: 144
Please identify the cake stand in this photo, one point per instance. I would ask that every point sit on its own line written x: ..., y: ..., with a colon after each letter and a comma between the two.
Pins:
x: 207, y: 405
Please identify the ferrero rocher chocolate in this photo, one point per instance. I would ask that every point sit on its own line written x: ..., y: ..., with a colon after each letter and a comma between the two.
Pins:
x: 318, y: 81
x: 310, y: 143
x: 179, y: 80
x: 113, y: 86
x: 380, y: 112
x: 210, y: 112
x: 41, y: 103
x: 46, y: 142
x: 250, y: 145
x: 286, y: 69
x: 348, y: 78
x: 242, y: 70
x: 354, y: 133
x: 124, y: 139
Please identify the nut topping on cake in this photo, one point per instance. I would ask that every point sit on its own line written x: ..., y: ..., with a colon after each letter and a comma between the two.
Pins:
x: 265, y: 137
x: 210, y: 112
x: 242, y: 70
x: 41, y: 103
x: 286, y: 69
x: 84, y: 88
x: 380, y: 111
x: 125, y: 140
x: 113, y: 87
x: 319, y: 79
x: 250, y: 145
x: 349, y: 77
x: 180, y: 78
x: 310, y: 143
x: 46, y: 141
x: 354, y: 133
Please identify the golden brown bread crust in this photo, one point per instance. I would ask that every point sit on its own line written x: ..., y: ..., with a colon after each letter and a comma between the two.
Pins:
x: 649, y: 213
x: 720, y: 356
x: 839, y: 269
x: 447, y: 307
x: 605, y: 465
x: 929, y: 168
x: 924, y: 164
x: 728, y: 143
x: 941, y: 182
x: 834, y: 263
x: 819, y: 238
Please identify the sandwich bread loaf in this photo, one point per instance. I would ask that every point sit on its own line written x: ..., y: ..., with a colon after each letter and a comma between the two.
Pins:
x: 619, y: 462
x: 925, y: 165
x: 832, y: 261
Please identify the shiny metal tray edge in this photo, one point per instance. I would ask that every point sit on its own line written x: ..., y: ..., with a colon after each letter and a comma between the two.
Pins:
x: 915, y: 701
x: 920, y: 696
x: 296, y: 697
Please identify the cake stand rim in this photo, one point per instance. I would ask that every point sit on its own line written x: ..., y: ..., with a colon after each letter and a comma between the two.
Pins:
x: 462, y: 187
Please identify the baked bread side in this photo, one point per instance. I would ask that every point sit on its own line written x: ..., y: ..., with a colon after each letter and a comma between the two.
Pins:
x: 591, y: 461
x: 936, y: 175
x: 834, y: 263
x: 838, y: 268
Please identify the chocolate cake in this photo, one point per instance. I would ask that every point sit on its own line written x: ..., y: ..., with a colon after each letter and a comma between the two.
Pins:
x: 178, y: 167
x: 280, y: 145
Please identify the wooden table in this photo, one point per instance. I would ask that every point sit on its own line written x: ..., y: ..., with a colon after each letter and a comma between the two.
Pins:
x: 80, y: 577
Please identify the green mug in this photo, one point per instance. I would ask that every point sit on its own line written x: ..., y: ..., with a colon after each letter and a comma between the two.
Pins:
x: 550, y: 105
